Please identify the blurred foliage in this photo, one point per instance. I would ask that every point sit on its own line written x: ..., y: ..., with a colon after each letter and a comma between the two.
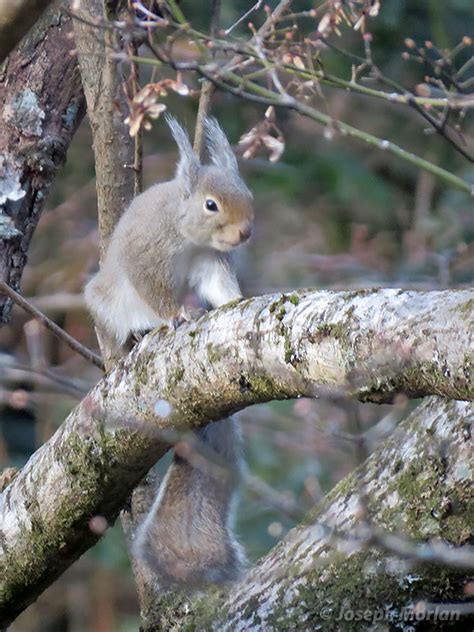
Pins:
x: 331, y: 213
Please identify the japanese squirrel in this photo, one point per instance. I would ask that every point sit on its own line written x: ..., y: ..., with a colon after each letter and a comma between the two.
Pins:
x: 174, y: 237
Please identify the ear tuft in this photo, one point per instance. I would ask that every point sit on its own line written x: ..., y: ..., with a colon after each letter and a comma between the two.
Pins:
x: 220, y: 151
x: 188, y: 165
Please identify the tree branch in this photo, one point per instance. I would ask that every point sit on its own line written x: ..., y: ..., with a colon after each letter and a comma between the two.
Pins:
x: 251, y: 91
x: 207, y: 88
x: 366, y: 344
x: 337, y: 566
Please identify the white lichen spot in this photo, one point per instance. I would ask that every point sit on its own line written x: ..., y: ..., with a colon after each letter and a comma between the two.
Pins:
x: 328, y: 132
x: 24, y: 112
x: 163, y: 408
x: 463, y: 472
x: 392, y: 499
x: 8, y: 229
x: 411, y: 578
x: 10, y: 186
x: 396, y: 567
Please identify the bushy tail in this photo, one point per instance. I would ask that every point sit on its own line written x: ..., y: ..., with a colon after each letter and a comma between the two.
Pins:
x: 186, y: 540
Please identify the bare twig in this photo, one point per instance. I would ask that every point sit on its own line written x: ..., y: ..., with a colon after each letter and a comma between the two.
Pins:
x: 276, y: 14
x: 253, y: 8
x: 207, y: 89
x: 74, y: 344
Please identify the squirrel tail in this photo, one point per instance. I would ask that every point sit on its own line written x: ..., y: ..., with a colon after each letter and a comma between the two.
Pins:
x: 186, y: 539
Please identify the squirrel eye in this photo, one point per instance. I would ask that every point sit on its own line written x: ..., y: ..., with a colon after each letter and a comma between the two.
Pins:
x: 211, y: 205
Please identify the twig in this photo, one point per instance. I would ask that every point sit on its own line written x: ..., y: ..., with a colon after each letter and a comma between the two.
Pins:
x: 207, y: 89
x: 259, y: 94
x: 431, y: 552
x: 86, y: 353
x: 253, y: 8
x: 276, y: 14
x: 45, y: 379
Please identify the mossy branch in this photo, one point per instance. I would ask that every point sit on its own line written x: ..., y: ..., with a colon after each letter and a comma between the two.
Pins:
x: 370, y: 344
x: 335, y: 573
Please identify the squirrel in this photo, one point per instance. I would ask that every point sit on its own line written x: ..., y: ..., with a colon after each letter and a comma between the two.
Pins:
x: 174, y: 237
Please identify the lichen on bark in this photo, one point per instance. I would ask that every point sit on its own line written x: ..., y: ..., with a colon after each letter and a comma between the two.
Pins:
x: 41, y: 106
x: 316, y: 581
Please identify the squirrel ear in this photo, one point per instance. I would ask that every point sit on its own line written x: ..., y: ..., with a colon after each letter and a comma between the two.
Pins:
x: 188, y: 165
x: 220, y: 151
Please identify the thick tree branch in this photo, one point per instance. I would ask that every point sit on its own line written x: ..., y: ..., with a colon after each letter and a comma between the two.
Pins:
x: 338, y: 566
x: 370, y: 344
x: 41, y: 105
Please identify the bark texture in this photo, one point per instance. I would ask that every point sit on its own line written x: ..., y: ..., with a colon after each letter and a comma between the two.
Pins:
x: 419, y: 484
x: 369, y: 344
x: 117, y: 159
x: 118, y: 156
x: 41, y: 106
x: 16, y: 18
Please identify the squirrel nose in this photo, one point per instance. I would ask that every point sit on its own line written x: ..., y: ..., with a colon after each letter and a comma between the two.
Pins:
x: 245, y: 233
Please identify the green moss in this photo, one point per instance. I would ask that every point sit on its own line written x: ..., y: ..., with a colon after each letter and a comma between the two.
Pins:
x: 80, y: 457
x: 291, y: 356
x: 418, y: 381
x: 467, y: 308
x: 233, y: 303
x: 177, y: 611
x: 261, y: 386
x: 338, y: 331
x: 280, y: 315
x: 215, y: 353
x: 279, y: 303
x: 294, y: 299
x: 427, y: 509
x: 362, y: 292
x: 353, y: 586
x: 176, y: 376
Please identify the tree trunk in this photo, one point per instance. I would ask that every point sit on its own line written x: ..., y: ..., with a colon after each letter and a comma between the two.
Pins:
x: 117, y: 156
x: 365, y: 344
x: 41, y: 106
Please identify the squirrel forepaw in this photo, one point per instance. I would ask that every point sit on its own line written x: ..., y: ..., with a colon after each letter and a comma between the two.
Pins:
x: 187, y: 315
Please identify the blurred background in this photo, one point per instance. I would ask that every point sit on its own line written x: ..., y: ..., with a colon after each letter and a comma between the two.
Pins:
x: 332, y: 213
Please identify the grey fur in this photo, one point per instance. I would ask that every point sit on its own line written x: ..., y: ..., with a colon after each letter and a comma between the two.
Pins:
x: 188, y: 166
x: 220, y: 151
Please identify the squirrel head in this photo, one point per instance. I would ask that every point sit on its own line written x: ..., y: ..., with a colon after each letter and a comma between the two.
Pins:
x: 215, y: 205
